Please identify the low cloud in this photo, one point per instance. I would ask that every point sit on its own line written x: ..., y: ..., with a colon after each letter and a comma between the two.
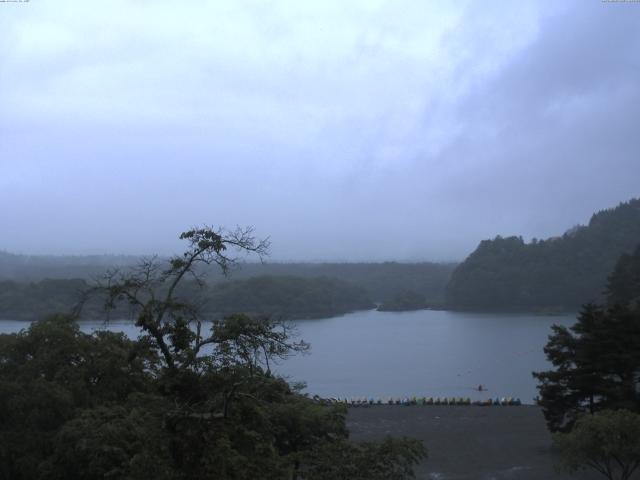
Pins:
x: 378, y: 130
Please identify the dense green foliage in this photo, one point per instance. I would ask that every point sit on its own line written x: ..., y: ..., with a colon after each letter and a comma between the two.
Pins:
x: 283, y: 297
x: 624, y: 283
x: 596, y: 361
x: 403, y: 302
x: 548, y: 275
x: 288, y: 297
x: 178, y: 403
x: 30, y: 301
x: 607, y: 442
x: 596, y: 366
x: 382, y: 281
x: 79, y: 406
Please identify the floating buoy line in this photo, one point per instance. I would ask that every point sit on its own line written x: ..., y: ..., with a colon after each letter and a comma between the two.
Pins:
x: 408, y: 401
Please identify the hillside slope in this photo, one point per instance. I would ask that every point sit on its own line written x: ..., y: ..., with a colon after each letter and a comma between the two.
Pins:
x: 559, y: 273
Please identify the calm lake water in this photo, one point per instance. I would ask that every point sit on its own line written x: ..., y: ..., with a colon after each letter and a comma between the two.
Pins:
x: 422, y: 353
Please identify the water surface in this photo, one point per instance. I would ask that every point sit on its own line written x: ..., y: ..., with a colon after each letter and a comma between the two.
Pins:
x: 422, y: 353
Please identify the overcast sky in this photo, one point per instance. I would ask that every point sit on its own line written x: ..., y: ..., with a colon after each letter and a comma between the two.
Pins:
x: 365, y: 130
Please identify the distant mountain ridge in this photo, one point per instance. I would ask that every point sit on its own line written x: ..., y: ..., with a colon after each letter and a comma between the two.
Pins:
x: 557, y: 274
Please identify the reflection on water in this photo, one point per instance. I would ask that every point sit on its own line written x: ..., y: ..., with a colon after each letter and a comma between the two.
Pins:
x: 423, y: 353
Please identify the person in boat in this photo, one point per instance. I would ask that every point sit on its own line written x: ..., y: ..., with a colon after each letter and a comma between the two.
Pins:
x: 480, y: 388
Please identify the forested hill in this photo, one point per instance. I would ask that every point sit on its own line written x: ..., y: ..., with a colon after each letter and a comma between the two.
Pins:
x: 286, y: 297
x: 382, y: 281
x: 279, y: 297
x: 560, y: 273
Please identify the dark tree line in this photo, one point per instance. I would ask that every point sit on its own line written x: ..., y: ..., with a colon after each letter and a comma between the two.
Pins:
x: 284, y: 297
x: 556, y: 274
x: 405, y: 301
x: 288, y: 297
x: 381, y: 281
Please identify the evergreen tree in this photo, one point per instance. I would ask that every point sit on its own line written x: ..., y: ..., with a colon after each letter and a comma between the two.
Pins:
x: 596, y: 361
x: 624, y: 283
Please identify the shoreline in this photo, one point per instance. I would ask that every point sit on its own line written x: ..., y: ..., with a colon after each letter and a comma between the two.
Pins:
x: 375, y: 309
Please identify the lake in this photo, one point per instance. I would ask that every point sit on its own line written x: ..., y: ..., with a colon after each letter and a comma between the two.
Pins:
x: 404, y: 354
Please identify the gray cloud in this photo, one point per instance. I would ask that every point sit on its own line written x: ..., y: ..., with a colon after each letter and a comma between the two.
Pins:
x: 377, y: 130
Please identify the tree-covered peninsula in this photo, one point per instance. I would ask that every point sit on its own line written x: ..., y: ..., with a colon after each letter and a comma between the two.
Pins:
x: 281, y: 297
x: 404, y: 301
